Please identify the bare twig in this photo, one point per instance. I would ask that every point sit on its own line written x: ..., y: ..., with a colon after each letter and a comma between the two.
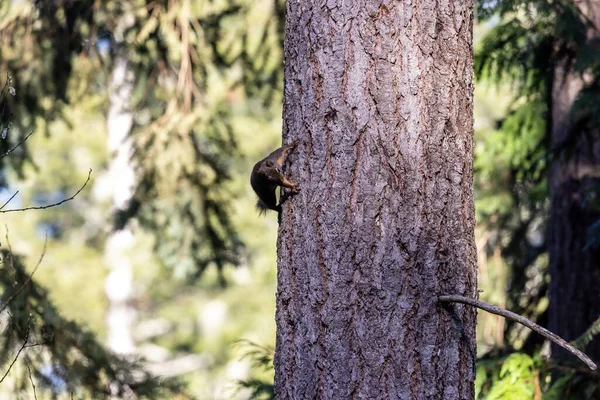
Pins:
x: 17, y: 145
x: 12, y: 262
x: 5, y: 84
x: 12, y: 296
x: 3, y: 96
x: 31, y: 380
x: 53, y: 204
x: 8, y: 201
x: 20, y: 350
x: 523, y: 321
x: 35, y: 344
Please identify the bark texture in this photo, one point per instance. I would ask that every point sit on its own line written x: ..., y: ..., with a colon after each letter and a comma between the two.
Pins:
x: 575, y: 272
x: 379, y: 95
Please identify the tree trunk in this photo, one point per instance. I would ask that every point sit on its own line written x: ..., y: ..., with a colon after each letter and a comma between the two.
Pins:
x: 575, y: 173
x: 379, y: 95
x: 119, y: 282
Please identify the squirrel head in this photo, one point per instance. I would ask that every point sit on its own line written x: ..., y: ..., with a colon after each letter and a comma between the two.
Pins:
x: 271, y: 170
x: 273, y: 165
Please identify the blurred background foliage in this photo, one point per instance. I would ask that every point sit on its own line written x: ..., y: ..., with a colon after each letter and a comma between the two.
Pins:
x: 206, y: 104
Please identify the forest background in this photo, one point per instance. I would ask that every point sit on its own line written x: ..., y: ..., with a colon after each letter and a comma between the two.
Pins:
x: 192, y: 90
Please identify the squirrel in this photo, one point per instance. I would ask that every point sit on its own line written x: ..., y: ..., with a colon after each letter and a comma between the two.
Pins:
x: 267, y: 175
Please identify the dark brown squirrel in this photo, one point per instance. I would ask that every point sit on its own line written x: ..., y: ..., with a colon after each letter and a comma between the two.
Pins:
x: 267, y: 175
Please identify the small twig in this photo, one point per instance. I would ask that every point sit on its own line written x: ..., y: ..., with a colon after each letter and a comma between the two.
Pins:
x: 522, y: 320
x: 10, y: 257
x: 12, y: 296
x: 8, y: 201
x: 17, y: 145
x: 36, y: 344
x: 3, y: 94
x: 31, y: 380
x: 20, y: 350
x: 5, y: 84
x: 53, y: 204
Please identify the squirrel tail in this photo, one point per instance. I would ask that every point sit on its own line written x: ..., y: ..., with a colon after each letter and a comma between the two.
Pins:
x: 262, y: 208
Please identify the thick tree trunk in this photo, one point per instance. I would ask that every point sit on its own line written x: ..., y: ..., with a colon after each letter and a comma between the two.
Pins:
x: 380, y: 96
x: 575, y: 272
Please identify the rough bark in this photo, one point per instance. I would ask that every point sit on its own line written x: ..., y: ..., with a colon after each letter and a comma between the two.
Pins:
x: 379, y: 95
x: 575, y: 173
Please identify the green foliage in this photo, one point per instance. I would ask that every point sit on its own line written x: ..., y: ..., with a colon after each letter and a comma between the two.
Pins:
x: 520, y: 376
x: 518, y: 51
x: 515, y: 379
x: 193, y: 63
x: 262, y: 359
x: 12, y: 139
x: 519, y: 151
x: 258, y: 389
x: 185, y: 154
x: 198, y: 110
x: 525, y: 41
x: 517, y: 376
x: 261, y: 356
x: 62, y: 356
x: 568, y: 383
x: 588, y: 335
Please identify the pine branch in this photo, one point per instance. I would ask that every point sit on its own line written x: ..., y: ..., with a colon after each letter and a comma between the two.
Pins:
x: 523, y: 321
x: 6, y: 302
x: 588, y: 335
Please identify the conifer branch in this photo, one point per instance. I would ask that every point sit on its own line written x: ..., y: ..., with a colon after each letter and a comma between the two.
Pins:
x: 6, y: 302
x: 588, y: 335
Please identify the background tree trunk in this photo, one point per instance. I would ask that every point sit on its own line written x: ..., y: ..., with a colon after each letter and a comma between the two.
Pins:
x: 119, y: 282
x: 380, y: 96
x: 575, y: 173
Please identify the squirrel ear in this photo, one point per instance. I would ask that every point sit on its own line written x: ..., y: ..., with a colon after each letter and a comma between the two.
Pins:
x: 269, y: 163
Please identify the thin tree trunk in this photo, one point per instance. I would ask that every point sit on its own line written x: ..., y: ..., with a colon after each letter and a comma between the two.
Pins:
x: 119, y: 282
x: 575, y: 272
x: 380, y: 96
